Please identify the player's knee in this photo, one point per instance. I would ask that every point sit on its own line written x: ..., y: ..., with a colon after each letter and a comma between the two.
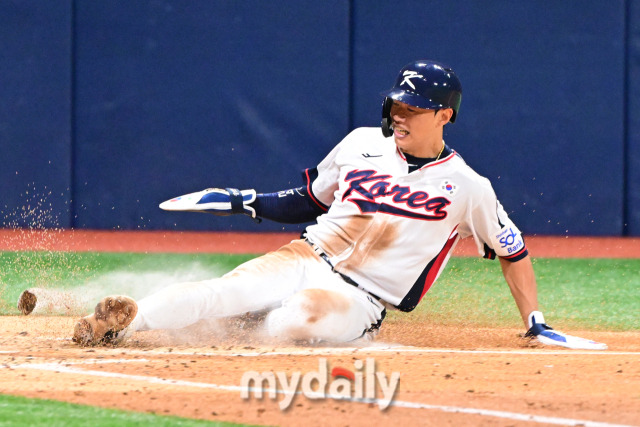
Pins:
x: 316, y: 305
x: 309, y: 314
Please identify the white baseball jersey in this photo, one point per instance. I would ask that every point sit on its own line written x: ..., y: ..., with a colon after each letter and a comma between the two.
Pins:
x: 392, y: 231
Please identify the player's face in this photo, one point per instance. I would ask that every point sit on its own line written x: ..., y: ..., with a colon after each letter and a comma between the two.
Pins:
x: 418, y: 131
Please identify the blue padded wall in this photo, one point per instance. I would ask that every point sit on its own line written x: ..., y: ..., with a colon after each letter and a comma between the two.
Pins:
x: 542, y: 111
x: 109, y: 108
x: 35, y: 114
x: 174, y: 97
x: 632, y: 205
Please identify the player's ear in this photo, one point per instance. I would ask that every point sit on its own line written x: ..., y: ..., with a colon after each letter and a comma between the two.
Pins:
x: 445, y: 115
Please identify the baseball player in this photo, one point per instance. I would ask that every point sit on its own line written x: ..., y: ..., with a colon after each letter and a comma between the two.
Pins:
x: 387, y: 208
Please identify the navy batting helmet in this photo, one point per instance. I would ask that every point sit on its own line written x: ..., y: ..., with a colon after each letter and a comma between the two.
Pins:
x: 423, y: 84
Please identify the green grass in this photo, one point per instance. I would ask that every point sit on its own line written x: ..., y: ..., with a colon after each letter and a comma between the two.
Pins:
x: 103, y: 273
x: 45, y: 268
x: 598, y: 294
x: 20, y: 411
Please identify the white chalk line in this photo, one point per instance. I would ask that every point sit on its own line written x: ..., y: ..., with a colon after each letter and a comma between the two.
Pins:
x: 66, y: 368
x: 95, y: 362
x: 367, y: 350
x: 293, y: 351
x: 67, y: 363
x: 370, y: 350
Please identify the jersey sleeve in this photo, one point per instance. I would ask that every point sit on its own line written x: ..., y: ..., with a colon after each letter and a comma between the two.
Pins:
x: 322, y: 181
x: 292, y: 206
x: 492, y: 229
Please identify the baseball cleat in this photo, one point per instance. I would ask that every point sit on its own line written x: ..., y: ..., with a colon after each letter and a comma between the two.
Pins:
x: 27, y: 302
x: 106, y: 326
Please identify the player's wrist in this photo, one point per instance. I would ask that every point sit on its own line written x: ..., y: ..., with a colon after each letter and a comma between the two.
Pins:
x: 535, y: 317
x: 241, y: 201
x: 536, y: 324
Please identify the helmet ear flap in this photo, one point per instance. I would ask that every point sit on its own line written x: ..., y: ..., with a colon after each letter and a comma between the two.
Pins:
x: 387, y: 123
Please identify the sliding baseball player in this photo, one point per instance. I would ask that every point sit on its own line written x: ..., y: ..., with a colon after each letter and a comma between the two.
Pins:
x: 387, y: 209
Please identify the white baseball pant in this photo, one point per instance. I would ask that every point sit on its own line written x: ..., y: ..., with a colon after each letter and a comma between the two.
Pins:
x: 308, y: 300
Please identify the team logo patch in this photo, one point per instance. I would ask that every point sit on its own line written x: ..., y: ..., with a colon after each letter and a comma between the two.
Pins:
x: 449, y: 187
x: 408, y: 75
x: 510, y: 240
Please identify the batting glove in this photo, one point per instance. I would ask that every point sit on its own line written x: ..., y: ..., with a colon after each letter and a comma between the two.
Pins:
x: 217, y: 201
x: 547, y: 335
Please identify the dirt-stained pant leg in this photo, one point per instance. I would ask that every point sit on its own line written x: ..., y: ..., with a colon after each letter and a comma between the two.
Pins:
x: 263, y: 282
x: 336, y: 313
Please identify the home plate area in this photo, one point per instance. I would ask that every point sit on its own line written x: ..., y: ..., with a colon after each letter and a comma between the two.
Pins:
x: 413, y: 373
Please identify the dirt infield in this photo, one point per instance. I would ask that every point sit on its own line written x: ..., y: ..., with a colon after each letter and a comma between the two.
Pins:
x: 449, y: 376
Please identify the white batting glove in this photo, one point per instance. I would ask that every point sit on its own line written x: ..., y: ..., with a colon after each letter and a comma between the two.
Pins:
x: 217, y: 201
x: 547, y: 335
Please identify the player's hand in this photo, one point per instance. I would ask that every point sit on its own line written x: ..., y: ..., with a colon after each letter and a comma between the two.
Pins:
x: 547, y: 335
x: 217, y: 201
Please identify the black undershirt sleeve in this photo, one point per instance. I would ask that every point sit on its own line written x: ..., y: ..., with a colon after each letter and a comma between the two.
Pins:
x: 293, y: 206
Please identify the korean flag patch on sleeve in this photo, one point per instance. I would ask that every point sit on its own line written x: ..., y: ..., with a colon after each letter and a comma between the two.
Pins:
x: 508, y: 242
